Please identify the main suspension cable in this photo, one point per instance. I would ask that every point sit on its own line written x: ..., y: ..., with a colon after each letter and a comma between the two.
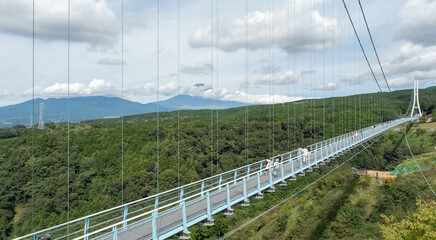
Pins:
x: 373, y: 45
x: 361, y: 47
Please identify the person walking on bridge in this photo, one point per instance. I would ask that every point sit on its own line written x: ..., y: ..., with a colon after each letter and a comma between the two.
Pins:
x: 305, y: 154
x: 299, y: 152
x: 268, y: 166
x: 276, y: 166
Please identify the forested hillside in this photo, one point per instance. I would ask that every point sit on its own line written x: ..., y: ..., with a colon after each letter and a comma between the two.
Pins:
x: 34, y: 162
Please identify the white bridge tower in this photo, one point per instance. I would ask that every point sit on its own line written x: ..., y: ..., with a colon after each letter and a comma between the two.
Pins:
x: 415, y: 99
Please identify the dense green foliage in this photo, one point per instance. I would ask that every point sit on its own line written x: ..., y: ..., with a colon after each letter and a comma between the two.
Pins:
x: 34, y: 163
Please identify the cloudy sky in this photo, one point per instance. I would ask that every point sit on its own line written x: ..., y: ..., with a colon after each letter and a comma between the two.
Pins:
x: 274, y: 51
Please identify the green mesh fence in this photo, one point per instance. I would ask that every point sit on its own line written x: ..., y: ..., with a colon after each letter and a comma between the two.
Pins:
x: 412, y: 168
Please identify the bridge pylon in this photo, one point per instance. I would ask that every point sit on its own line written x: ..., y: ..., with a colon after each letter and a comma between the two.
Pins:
x: 415, y: 99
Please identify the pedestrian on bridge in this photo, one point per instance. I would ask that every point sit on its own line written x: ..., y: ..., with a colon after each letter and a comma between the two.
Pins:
x: 268, y: 166
x: 276, y: 166
x: 305, y: 154
x: 299, y: 152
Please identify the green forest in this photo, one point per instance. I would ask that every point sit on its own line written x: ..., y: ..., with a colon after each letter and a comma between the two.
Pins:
x: 203, y: 142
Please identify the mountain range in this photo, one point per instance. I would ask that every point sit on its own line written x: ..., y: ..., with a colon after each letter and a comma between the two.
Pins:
x: 99, y: 107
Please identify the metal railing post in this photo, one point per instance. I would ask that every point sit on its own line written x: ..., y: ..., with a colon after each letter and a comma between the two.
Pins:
x: 156, y: 202
x: 126, y: 211
x: 202, y: 189
x: 322, y: 154
x: 271, y: 185
x: 245, y: 190
x: 248, y: 172
x: 184, y: 220
x: 220, y: 181
x: 153, y: 220
x: 209, y: 211
x: 236, y: 174
x: 86, y: 228
x: 282, y: 170
x: 308, y: 157
x: 114, y: 233
x: 258, y: 183
x: 182, y: 192
x: 228, y: 196
x: 301, y: 161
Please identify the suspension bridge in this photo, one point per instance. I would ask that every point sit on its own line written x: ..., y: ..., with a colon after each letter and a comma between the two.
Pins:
x: 168, y: 213
x: 172, y: 212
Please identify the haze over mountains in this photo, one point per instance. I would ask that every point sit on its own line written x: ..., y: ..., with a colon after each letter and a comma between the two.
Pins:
x: 98, y: 107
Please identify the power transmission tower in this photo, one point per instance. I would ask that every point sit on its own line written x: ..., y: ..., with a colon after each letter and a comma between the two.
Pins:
x: 415, y: 99
x: 41, y: 116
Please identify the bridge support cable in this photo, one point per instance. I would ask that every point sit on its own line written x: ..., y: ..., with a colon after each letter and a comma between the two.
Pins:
x: 361, y: 47
x: 178, y: 93
x: 295, y: 60
x: 122, y: 101
x: 246, y: 81
x: 273, y: 76
x: 217, y: 84
x: 289, y: 69
x: 288, y: 198
x: 32, y: 117
x: 68, y: 114
x: 413, y: 156
x: 211, y: 86
x: 323, y: 72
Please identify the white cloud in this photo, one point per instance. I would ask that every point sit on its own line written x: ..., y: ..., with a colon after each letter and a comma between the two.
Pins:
x: 327, y: 87
x: 412, y: 61
x: 232, y: 34
x: 149, y: 89
x: 97, y: 87
x: 199, y: 69
x: 92, y: 21
x: 400, y: 82
x: 110, y: 61
x: 226, y: 94
x: 168, y: 89
x: 417, y: 21
x: 241, y: 96
x: 287, y: 77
